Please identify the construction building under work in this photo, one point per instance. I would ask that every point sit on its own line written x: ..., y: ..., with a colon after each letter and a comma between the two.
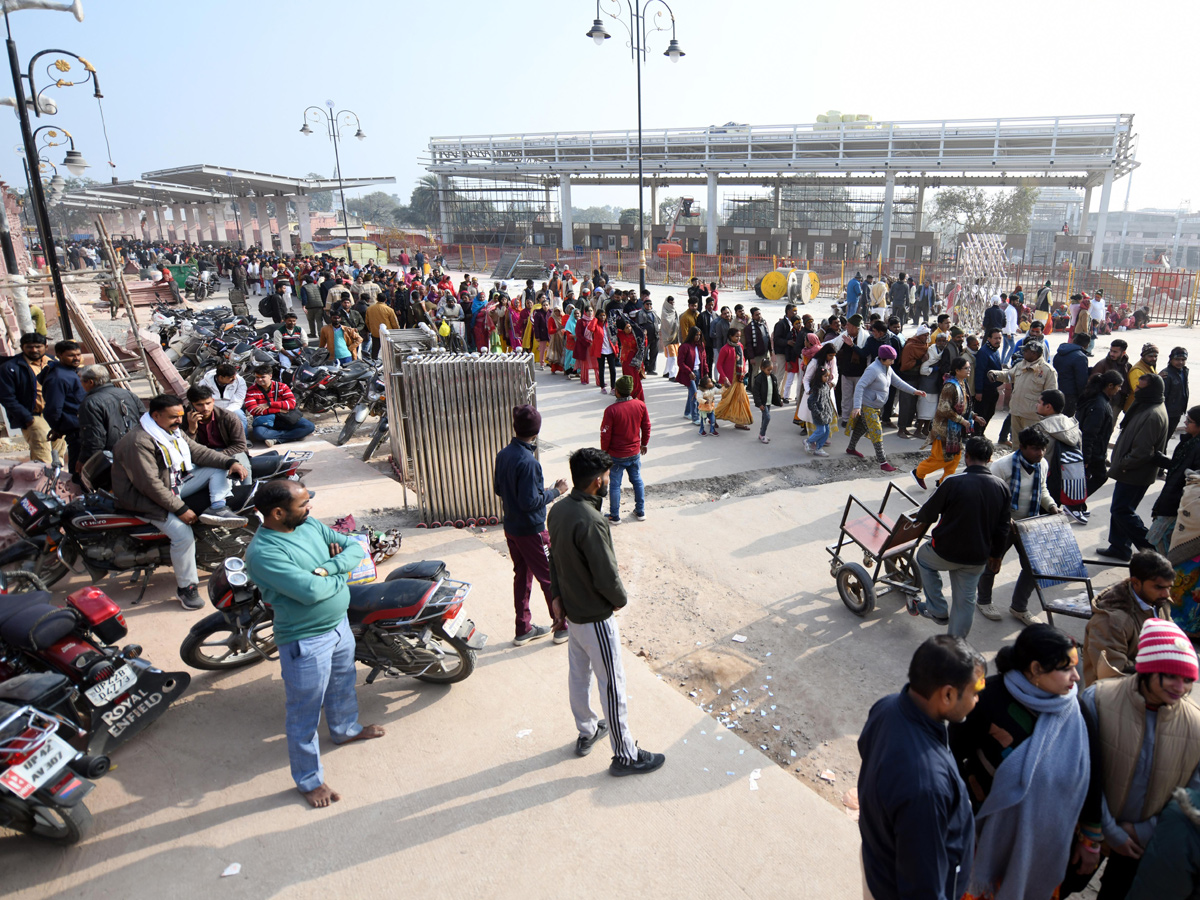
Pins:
x: 836, y: 190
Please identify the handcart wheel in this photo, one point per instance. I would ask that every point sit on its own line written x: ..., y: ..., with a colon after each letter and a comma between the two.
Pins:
x: 856, y: 590
x: 834, y: 568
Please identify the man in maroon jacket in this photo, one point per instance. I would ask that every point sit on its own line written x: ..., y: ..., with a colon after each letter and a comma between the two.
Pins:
x: 624, y: 435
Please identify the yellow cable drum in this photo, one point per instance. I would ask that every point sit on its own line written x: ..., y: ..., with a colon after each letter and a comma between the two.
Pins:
x: 795, y: 285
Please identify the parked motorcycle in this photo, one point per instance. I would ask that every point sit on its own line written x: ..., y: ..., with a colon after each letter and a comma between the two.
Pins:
x: 202, y: 285
x: 43, y: 777
x: 374, y: 404
x: 380, y: 435
x: 319, y: 390
x: 92, y: 533
x: 412, y: 624
x: 115, y: 692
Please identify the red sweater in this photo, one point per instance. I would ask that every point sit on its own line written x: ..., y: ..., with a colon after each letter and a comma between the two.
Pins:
x: 278, y: 398
x: 625, y: 429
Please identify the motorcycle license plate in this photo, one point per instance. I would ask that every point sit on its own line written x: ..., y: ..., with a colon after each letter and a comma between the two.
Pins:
x: 112, y: 687
x: 450, y: 626
x: 47, y: 761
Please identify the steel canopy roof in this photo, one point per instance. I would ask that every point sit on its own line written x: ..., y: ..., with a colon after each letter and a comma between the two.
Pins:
x: 246, y: 183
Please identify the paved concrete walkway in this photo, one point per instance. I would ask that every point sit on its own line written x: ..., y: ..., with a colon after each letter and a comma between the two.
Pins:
x: 475, y: 789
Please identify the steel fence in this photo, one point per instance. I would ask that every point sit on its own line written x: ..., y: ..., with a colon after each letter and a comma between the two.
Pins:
x: 1170, y: 296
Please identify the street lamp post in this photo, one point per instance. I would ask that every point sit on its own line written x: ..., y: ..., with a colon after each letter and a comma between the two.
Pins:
x: 335, y: 122
x: 637, y: 43
x: 61, y: 67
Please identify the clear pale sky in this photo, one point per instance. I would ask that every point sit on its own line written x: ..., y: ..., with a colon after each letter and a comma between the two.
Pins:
x: 226, y: 83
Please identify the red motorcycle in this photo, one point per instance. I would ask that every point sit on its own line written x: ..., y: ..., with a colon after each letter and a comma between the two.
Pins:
x: 413, y: 623
x: 117, y: 692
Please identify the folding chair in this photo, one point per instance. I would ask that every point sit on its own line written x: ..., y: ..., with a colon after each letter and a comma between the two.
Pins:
x: 1049, y: 551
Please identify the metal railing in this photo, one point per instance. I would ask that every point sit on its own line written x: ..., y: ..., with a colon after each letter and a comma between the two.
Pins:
x: 1170, y: 296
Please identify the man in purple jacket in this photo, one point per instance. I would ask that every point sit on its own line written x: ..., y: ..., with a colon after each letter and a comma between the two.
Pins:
x: 518, y: 481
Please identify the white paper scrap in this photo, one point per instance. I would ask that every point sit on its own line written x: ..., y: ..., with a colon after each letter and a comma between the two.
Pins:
x: 524, y: 732
x: 739, y: 638
x: 231, y: 869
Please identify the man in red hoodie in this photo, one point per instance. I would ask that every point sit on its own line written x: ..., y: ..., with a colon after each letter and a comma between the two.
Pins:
x: 624, y: 435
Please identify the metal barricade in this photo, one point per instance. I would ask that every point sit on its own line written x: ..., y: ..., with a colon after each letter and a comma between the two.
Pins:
x: 449, y: 415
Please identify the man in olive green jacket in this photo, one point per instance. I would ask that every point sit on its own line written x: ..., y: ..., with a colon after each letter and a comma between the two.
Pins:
x: 586, y: 587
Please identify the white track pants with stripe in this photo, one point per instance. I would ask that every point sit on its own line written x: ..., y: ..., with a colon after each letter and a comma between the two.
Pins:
x: 596, y: 647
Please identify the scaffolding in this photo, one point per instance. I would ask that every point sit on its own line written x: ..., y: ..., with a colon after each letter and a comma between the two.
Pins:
x: 821, y: 208
x: 485, y: 211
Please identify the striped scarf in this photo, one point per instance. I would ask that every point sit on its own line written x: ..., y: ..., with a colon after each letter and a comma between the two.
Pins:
x: 1014, y: 483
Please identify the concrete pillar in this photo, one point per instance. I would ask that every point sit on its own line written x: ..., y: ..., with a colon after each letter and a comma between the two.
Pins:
x: 564, y: 202
x: 127, y: 226
x: 1102, y: 222
x: 163, y: 227
x: 444, y: 208
x: 655, y: 218
x: 151, y: 225
x: 189, y: 222
x: 247, y: 218
x: 710, y: 227
x: 262, y: 223
x: 177, y: 223
x: 203, y: 232
x: 303, y: 219
x: 218, y: 214
x: 1087, y: 206
x: 919, y: 214
x: 777, y: 205
x: 281, y: 220
x: 889, y: 193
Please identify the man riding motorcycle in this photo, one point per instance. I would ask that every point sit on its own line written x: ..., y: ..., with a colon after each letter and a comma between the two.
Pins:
x: 155, y: 466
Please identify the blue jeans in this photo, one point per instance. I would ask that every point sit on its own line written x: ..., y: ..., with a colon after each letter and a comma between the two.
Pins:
x: 691, y: 408
x: 1126, y: 530
x: 964, y: 583
x: 264, y: 430
x: 766, y: 420
x: 318, y: 672
x: 711, y: 420
x: 1006, y: 352
x: 852, y: 306
x: 633, y: 465
x: 241, y: 414
x: 820, y: 436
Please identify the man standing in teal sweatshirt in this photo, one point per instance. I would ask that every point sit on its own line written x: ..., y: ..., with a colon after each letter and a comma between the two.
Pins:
x: 301, y: 566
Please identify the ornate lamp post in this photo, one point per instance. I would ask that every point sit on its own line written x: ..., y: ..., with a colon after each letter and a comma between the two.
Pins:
x: 56, y: 71
x: 638, y: 32
x: 334, y: 123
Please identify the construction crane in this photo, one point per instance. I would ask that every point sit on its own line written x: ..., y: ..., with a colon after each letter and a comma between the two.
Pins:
x: 669, y: 247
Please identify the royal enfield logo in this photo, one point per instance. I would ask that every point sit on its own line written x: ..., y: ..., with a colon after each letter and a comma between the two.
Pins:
x: 136, y: 705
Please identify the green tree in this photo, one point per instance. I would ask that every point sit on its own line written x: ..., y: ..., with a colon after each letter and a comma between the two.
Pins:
x: 424, y: 203
x: 630, y: 217
x: 319, y: 201
x: 976, y: 211
x: 601, y: 215
x: 374, y: 207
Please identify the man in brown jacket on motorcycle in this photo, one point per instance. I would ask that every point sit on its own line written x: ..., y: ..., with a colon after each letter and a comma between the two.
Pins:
x: 155, y: 466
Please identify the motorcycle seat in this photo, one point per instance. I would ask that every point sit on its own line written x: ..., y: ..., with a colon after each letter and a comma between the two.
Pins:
x: 32, y: 688
x: 400, y: 599
x: 264, y: 464
x: 423, y: 569
x: 31, y: 622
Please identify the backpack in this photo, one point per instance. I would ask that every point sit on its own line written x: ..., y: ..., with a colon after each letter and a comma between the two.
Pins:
x: 264, y: 306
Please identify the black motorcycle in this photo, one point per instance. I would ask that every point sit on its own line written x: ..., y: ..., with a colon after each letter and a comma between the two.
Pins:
x: 374, y: 404
x: 43, y: 775
x: 319, y: 390
x: 93, y: 534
